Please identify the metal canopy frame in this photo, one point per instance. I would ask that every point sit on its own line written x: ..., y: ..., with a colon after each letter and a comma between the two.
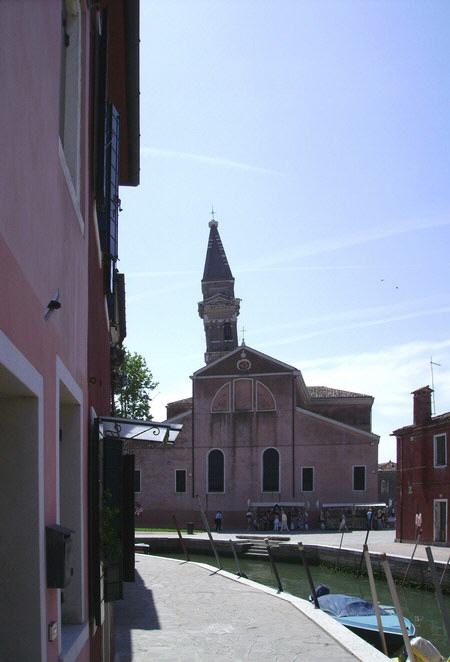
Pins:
x: 129, y: 429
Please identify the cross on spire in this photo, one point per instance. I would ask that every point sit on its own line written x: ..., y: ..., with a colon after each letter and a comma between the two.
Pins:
x: 213, y: 221
x: 243, y: 336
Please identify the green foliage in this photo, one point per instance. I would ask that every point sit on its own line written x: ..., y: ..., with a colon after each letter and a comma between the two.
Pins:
x: 132, y: 400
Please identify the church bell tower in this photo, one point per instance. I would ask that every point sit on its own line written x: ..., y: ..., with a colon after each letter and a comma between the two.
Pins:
x: 219, y: 308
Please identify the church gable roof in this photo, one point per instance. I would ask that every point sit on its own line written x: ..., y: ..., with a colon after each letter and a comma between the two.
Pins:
x: 232, y: 364
x: 325, y: 393
x: 216, y: 263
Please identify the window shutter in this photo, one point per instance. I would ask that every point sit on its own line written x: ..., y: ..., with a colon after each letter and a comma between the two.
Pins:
x: 112, y: 173
x: 94, y: 523
x: 109, y: 215
x: 112, y: 524
x: 128, y: 517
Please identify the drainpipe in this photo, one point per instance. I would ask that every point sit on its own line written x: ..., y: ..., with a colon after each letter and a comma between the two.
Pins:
x: 192, y: 443
x: 293, y: 438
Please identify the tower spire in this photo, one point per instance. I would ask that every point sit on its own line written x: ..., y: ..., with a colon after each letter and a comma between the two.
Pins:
x: 219, y: 308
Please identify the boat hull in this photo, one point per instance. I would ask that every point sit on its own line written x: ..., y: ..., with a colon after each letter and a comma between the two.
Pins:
x: 394, y: 640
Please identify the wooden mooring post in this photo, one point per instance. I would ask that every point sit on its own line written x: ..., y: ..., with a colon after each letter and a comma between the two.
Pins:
x: 396, y: 601
x: 308, y: 574
x: 274, y: 567
x: 208, y: 531
x: 182, y: 543
x: 412, y: 557
x: 373, y: 590
x: 438, y: 591
x: 236, y: 560
x: 336, y: 567
x: 444, y: 571
x: 365, y: 545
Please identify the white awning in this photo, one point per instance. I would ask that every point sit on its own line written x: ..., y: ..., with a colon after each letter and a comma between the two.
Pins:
x: 271, y: 504
x: 353, y: 505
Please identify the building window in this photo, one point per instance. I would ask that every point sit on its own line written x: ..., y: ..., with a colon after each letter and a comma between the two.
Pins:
x: 216, y: 481
x: 359, y: 479
x: 384, y: 487
x: 180, y: 481
x: 440, y: 450
x: 307, y: 479
x: 227, y: 331
x: 70, y: 88
x: 137, y: 480
x: 271, y: 470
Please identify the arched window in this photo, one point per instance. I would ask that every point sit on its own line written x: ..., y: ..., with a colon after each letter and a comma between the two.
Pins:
x: 227, y: 331
x: 271, y: 470
x: 216, y: 481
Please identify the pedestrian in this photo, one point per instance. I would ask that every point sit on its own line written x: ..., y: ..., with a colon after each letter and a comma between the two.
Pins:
x: 418, y: 522
x: 369, y: 516
x: 284, y: 521
x: 306, y: 520
x: 343, y: 523
x: 379, y: 518
x: 322, y: 521
x: 249, y: 516
x: 218, y: 521
x: 276, y: 523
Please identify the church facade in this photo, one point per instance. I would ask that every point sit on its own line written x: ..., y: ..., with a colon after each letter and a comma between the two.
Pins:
x: 255, y: 437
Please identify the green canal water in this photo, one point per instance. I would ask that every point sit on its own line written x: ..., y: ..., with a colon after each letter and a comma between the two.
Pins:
x: 418, y: 605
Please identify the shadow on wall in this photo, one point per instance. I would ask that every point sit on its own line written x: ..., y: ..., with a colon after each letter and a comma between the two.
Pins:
x: 137, y: 611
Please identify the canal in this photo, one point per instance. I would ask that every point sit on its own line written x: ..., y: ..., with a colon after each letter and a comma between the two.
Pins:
x: 418, y: 605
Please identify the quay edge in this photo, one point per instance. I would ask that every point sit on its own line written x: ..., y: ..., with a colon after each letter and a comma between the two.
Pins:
x: 349, y: 559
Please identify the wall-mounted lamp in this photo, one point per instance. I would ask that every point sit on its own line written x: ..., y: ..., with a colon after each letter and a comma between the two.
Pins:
x: 53, y: 304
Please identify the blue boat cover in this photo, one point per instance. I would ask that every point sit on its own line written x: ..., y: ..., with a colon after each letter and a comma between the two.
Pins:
x: 339, y: 606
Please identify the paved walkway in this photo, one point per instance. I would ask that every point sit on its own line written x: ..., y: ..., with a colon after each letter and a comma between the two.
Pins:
x: 188, y: 612
x: 379, y: 541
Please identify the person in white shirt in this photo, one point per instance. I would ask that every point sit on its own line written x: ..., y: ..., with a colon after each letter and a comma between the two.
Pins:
x: 418, y: 523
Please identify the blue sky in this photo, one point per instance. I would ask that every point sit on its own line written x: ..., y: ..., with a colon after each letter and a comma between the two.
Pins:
x: 320, y: 132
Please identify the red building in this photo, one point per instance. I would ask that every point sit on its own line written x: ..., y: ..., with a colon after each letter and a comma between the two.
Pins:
x: 69, y: 75
x: 423, y: 475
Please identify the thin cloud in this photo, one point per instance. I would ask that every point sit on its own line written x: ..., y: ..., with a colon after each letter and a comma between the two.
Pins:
x: 207, y: 160
x: 357, y: 325
x: 373, y: 372
x: 330, y: 244
x: 302, y: 267
x: 149, y: 294
x: 157, y: 274
x: 381, y: 312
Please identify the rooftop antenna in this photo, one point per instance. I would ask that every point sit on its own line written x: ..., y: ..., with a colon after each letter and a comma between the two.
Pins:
x: 432, y: 363
x: 243, y: 336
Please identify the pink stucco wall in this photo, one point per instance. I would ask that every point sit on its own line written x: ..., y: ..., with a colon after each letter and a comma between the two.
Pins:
x: 43, y: 247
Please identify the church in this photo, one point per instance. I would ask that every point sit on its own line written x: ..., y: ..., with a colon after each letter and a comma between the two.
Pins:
x: 255, y: 438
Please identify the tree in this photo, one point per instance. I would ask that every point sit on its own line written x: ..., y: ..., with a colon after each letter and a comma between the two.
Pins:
x: 132, y: 399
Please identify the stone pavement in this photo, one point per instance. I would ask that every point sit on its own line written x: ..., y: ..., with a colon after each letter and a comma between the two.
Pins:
x: 379, y: 541
x: 189, y: 612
